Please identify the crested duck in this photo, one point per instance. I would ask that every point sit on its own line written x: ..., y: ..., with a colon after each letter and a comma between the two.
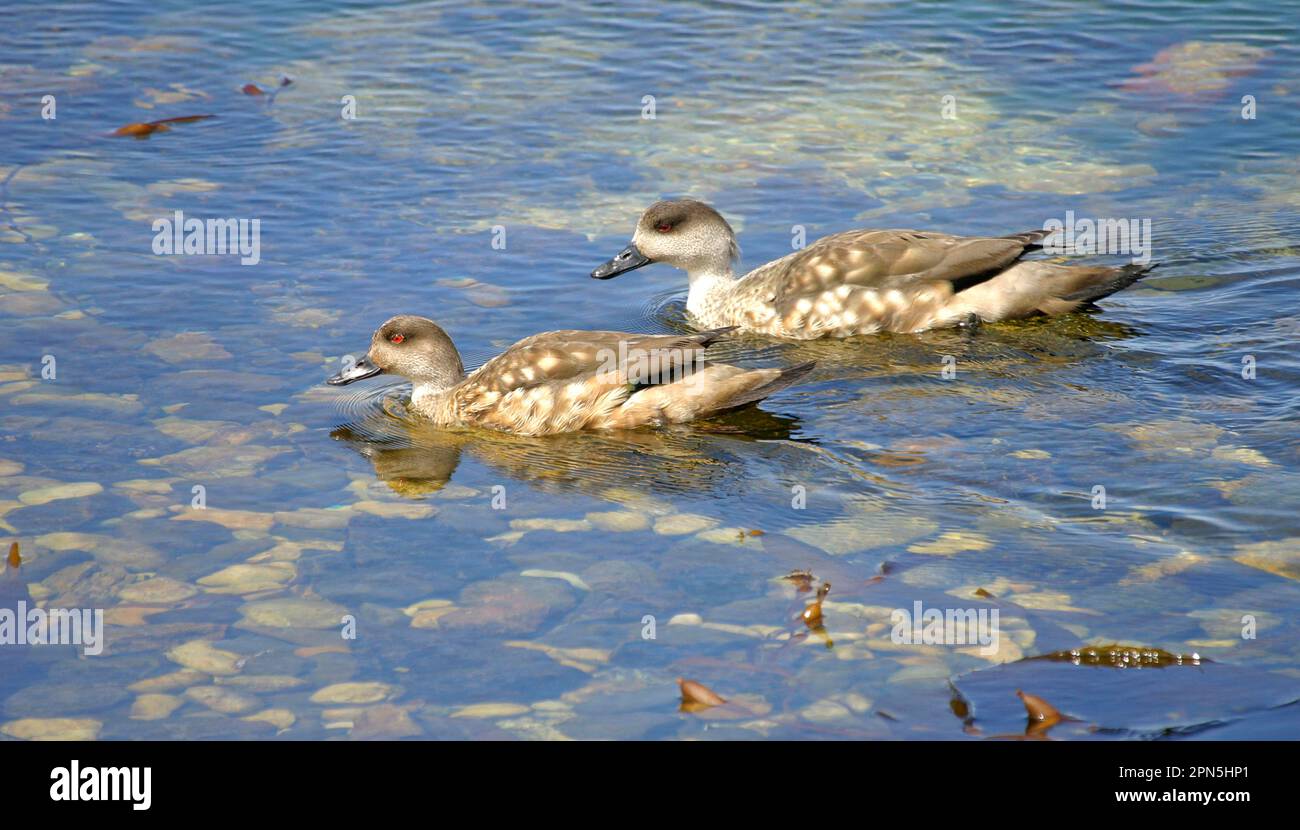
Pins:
x: 862, y: 281
x: 563, y: 381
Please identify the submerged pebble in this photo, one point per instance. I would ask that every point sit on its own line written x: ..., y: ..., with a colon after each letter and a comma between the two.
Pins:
x: 680, y: 524
x: 222, y: 699
x: 349, y: 693
x: 619, y: 521
x: 201, y: 655
x: 45, y: 495
x: 53, y: 729
x: 157, y: 591
x: 294, y: 612
x: 281, y: 719
x: 490, y: 710
x: 154, y: 706
x: 247, y: 579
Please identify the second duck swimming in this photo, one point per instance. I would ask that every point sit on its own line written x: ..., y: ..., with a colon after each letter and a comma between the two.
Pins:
x: 863, y: 281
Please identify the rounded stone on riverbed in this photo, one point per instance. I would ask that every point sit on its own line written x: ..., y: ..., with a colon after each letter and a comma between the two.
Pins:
x: 1031, y: 454
x: 74, y: 490
x: 425, y: 614
x: 221, y: 699
x: 395, y: 510
x: 263, y: 682
x: 53, y: 729
x: 490, y: 710
x: 619, y: 521
x: 352, y: 693
x: 247, y: 578
x: 154, y: 706
x: 556, y: 525
x: 201, y: 655
x: 680, y: 524
x: 179, y: 679
x: 160, y: 590
x: 294, y: 612
x: 279, y: 718
x: 952, y: 542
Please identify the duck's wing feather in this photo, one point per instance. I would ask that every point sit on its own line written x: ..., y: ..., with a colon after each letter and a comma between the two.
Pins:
x: 566, y: 355
x: 885, y: 259
x: 899, y: 278
x: 572, y: 374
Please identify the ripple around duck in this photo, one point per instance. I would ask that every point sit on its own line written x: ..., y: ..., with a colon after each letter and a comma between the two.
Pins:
x: 375, y: 412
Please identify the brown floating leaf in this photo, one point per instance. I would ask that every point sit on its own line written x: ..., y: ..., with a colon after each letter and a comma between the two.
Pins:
x: 139, y: 130
x: 251, y: 89
x: 148, y: 128
x: 802, y: 580
x: 756, y: 532
x: 812, y: 615
x: 698, y: 694
x: 14, y: 559
x: 1039, y: 709
x: 983, y: 594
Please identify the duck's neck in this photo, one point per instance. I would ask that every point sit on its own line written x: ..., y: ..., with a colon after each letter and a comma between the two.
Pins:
x: 710, y: 286
x: 434, y: 400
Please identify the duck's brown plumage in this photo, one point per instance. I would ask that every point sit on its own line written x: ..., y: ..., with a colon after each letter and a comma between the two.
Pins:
x: 563, y: 381
x: 864, y: 281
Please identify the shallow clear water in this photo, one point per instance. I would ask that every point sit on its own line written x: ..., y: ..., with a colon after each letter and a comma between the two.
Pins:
x: 176, y: 372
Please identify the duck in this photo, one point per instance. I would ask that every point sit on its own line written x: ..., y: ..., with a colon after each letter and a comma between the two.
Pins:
x: 861, y: 281
x: 565, y: 381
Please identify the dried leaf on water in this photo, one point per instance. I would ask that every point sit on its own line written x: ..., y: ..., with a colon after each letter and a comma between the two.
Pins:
x: 801, y: 579
x: 1038, y: 709
x: 14, y: 559
x: 148, y: 128
x: 812, y: 615
x: 697, y: 695
x: 251, y: 89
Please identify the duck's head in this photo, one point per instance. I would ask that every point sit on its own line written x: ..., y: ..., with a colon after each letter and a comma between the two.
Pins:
x: 413, y: 347
x: 683, y: 233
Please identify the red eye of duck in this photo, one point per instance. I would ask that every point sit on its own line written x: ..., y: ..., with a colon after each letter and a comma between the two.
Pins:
x: 663, y: 227
x: 397, y: 338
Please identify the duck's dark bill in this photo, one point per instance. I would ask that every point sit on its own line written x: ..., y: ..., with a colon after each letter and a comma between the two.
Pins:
x: 363, y: 369
x: 628, y: 259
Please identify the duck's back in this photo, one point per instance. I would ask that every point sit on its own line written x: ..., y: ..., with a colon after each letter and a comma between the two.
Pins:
x: 863, y: 281
x: 563, y: 381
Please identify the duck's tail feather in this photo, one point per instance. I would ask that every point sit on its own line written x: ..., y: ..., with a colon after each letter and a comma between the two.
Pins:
x: 782, y: 380
x: 1029, y: 288
x: 717, y: 387
x: 1032, y: 240
x: 1112, y: 280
